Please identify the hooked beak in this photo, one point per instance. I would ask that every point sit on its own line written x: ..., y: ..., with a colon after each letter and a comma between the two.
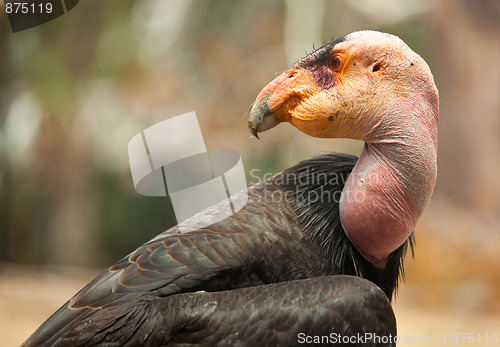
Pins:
x: 261, y: 118
x: 277, y: 101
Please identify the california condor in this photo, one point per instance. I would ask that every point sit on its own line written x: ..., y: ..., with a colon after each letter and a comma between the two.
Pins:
x: 282, y: 269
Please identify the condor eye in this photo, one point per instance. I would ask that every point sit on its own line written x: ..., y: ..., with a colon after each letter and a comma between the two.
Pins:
x: 335, y: 62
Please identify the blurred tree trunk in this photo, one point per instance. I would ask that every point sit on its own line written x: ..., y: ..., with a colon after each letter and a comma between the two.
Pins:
x: 59, y: 188
x: 469, y: 85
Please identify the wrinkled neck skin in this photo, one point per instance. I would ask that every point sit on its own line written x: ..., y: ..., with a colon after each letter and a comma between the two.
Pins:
x: 391, y: 183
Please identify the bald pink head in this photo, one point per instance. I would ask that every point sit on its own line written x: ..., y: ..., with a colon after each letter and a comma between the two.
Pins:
x: 369, y: 86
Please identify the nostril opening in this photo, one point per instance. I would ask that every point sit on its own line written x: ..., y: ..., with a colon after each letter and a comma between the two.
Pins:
x: 376, y: 67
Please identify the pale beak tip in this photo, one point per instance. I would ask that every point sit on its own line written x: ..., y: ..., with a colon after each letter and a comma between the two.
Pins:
x: 253, y: 130
x: 260, y: 117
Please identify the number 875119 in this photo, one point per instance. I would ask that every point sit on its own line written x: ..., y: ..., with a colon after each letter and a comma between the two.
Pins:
x: 26, y: 7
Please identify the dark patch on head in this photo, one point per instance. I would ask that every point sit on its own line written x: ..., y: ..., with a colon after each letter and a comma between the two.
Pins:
x: 317, y: 64
x: 411, y: 63
x: 330, y: 118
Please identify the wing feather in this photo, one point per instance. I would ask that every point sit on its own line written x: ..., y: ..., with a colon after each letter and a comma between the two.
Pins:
x: 261, y: 315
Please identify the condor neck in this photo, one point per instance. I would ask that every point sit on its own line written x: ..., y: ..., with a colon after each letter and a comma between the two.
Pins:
x: 390, y: 186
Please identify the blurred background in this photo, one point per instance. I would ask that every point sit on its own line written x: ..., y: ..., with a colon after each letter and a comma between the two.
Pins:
x: 75, y: 90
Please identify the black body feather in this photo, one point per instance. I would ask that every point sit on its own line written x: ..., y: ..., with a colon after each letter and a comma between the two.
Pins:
x: 257, y: 277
